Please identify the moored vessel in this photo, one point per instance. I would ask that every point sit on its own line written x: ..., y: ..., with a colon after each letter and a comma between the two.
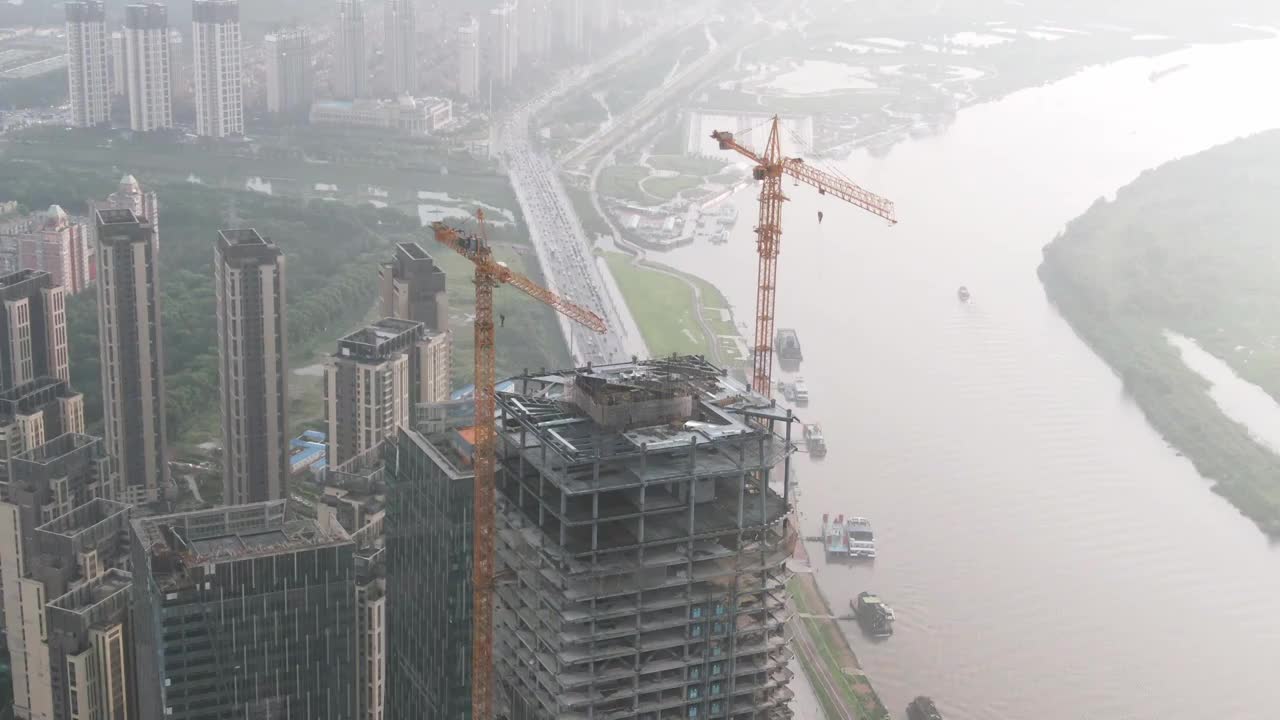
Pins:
x: 922, y: 708
x: 814, y: 440
x: 787, y: 348
x: 873, y: 615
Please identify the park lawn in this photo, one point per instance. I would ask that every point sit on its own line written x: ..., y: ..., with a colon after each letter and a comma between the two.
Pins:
x: 687, y: 165
x: 623, y: 182
x: 666, y: 188
x: 663, y: 308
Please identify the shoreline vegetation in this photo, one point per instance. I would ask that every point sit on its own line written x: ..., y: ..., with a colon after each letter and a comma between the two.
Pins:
x: 1176, y: 253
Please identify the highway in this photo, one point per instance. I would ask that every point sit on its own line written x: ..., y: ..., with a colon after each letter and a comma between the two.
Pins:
x: 569, y: 266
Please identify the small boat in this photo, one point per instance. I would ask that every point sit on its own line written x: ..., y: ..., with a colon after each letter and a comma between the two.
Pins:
x: 922, y: 708
x: 813, y: 440
x: 819, y: 217
x: 834, y: 538
x: 963, y: 294
x: 873, y: 615
x: 862, y: 541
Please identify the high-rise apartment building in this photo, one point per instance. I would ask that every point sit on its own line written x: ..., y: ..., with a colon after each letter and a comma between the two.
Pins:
x: 571, y: 19
x: 87, y: 67
x: 375, y: 378
x: 535, y: 29
x: 429, y: 480
x: 645, y: 545
x: 119, y: 83
x: 63, y: 557
x: 351, y: 59
x: 34, y: 316
x: 37, y: 402
x: 131, y: 346
x: 148, y: 66
x: 355, y: 499
x: 502, y: 47
x: 400, y: 34
x: 412, y: 287
x: 253, y: 367
x: 469, y: 60
x: 219, y: 85
x: 60, y: 246
x: 240, y: 612
x: 290, y: 78
x: 130, y: 196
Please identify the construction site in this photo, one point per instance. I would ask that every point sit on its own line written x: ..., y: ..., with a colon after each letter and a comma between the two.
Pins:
x: 641, y: 552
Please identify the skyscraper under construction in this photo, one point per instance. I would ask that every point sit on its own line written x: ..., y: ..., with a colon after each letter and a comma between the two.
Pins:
x: 643, y: 530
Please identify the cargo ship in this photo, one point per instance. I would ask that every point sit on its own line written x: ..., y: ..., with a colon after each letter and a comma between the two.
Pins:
x: 787, y: 347
x: 873, y: 615
x: 835, y: 540
x: 922, y: 708
x: 862, y: 541
x: 813, y: 440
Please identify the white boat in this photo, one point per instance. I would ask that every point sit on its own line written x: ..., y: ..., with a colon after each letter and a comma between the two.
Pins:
x: 862, y: 541
x: 800, y: 392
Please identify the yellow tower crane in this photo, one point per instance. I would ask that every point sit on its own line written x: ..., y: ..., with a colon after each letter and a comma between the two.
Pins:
x: 769, y: 169
x: 489, y: 274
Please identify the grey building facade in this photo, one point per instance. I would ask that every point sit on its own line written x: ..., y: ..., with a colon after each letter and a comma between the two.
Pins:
x: 290, y: 78
x: 429, y: 511
x: 413, y: 287
x: 351, y: 56
x: 375, y: 378
x: 400, y: 46
x: 241, y: 613
x: 88, y: 80
x: 148, y: 66
x: 37, y: 402
x: 58, y: 566
x: 641, y: 550
x: 249, y: 280
x: 131, y: 342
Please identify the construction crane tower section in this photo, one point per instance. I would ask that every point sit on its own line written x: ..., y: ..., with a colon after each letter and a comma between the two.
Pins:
x: 770, y: 168
x: 489, y: 274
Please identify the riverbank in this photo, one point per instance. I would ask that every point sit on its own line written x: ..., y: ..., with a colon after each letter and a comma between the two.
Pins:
x: 842, y: 688
x: 1173, y: 253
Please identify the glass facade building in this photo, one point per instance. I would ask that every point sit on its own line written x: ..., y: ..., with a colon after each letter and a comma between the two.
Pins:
x: 429, y: 513
x: 240, y: 613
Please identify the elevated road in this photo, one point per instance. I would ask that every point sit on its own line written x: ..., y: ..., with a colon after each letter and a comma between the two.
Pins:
x: 569, y: 265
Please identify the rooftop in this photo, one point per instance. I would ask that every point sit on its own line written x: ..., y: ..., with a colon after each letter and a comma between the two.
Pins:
x: 641, y: 419
x: 82, y: 599
x: 57, y: 448
x: 208, y: 537
x: 246, y: 245
x: 242, y: 236
x: 116, y: 216
x: 38, y: 278
x: 381, y: 339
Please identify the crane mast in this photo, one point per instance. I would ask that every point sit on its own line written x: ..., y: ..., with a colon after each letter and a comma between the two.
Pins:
x: 489, y: 274
x: 769, y: 169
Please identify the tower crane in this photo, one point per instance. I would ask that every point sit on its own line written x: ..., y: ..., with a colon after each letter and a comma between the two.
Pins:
x: 770, y: 169
x: 489, y: 274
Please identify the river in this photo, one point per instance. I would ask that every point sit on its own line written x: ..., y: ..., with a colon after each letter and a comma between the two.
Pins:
x: 1048, y: 555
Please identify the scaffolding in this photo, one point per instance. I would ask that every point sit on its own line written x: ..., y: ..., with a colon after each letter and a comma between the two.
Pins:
x: 641, y: 552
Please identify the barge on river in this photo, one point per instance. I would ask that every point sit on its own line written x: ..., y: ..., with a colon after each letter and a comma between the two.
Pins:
x: 787, y: 347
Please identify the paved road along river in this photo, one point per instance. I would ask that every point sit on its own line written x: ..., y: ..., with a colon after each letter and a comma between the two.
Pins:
x: 1049, y: 557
